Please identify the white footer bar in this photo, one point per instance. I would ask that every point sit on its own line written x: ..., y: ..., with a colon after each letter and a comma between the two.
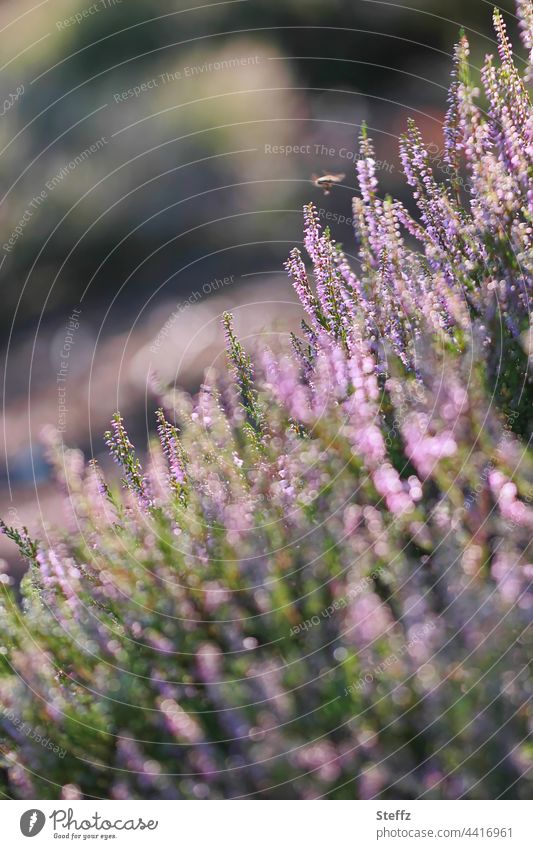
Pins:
x: 268, y: 824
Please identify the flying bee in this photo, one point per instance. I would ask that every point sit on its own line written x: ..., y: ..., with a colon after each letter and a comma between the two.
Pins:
x: 327, y: 181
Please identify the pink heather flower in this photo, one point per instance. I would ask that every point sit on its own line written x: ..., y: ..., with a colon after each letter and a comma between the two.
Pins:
x: 425, y: 450
x: 511, y: 507
x: 388, y: 484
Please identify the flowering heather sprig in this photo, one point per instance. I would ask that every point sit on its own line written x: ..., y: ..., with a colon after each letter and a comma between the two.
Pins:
x: 98, y: 478
x: 453, y: 135
x: 341, y: 530
x: 173, y: 450
x: 22, y: 539
x: 244, y: 375
x: 525, y: 21
x: 296, y: 271
x: 123, y: 453
x: 322, y: 252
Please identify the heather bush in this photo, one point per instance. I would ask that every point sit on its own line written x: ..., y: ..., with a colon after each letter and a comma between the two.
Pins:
x: 317, y: 583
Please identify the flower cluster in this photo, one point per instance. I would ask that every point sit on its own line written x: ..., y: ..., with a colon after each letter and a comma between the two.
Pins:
x: 378, y: 470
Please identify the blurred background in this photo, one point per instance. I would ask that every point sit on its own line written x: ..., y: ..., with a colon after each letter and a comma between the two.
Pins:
x: 154, y: 159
